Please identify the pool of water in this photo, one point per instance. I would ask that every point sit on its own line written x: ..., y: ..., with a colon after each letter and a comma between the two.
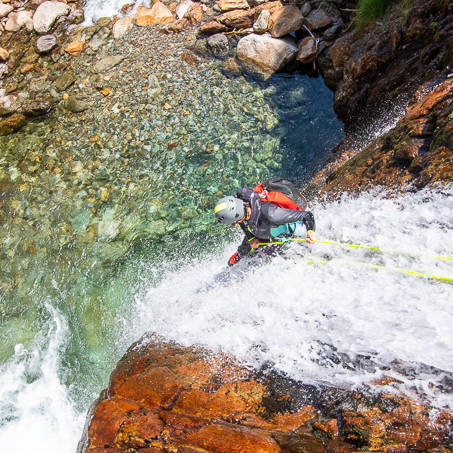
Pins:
x: 98, y: 206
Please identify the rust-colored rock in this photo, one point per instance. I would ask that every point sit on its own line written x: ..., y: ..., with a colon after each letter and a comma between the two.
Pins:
x: 158, y: 14
x: 179, y: 25
x: 307, y: 50
x: 284, y: 20
x: 4, y: 54
x: 168, y: 398
x: 237, y: 18
x: 211, y: 28
x: 75, y: 48
x: 194, y: 14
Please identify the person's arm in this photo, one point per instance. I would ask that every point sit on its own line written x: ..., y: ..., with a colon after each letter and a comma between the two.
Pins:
x: 243, y: 250
x: 280, y: 216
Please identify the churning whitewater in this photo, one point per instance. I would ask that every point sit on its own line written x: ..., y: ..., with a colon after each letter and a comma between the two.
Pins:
x: 341, y: 323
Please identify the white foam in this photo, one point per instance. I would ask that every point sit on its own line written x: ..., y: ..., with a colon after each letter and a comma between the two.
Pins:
x: 95, y: 9
x: 293, y: 314
x: 36, y: 411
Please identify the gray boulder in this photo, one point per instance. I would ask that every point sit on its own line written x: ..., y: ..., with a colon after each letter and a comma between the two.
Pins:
x: 265, y: 54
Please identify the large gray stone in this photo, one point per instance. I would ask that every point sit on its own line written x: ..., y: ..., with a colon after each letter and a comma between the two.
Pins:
x: 265, y: 54
x: 107, y: 63
x: 46, y: 15
x: 46, y: 43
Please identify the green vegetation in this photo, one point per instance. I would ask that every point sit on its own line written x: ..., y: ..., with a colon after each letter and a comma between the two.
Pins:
x: 370, y: 10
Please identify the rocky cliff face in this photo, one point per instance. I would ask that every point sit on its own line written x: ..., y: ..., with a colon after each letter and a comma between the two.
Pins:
x: 404, y: 60
x: 167, y: 398
x: 389, y: 61
x: 417, y: 152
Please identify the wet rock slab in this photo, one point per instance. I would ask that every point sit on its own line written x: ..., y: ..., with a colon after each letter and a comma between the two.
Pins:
x: 164, y: 397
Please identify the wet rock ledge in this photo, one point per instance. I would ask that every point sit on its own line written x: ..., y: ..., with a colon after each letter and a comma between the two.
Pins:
x: 164, y: 397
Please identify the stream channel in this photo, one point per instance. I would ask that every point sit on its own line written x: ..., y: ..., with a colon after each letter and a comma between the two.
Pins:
x: 100, y: 206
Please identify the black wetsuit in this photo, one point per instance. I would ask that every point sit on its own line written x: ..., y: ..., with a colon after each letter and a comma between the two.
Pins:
x: 266, y: 216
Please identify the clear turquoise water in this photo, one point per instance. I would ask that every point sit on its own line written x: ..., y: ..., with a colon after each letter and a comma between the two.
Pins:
x: 98, y: 207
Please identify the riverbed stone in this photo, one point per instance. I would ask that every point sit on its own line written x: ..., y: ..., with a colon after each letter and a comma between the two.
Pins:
x: 75, y: 104
x: 265, y: 54
x: 285, y: 20
x: 46, y: 43
x: 219, y: 44
x: 332, y: 32
x: 8, y: 102
x: 47, y: 13
x: 4, y: 54
x: 5, y: 9
x: 306, y: 9
x: 107, y: 63
x: 317, y: 19
x: 307, y: 50
x: 121, y: 27
x: 229, y: 5
x: 211, y: 28
x: 182, y: 8
x: 19, y: 19
x: 12, y: 124
x: 75, y: 48
x: 158, y: 14
x: 195, y: 14
x: 262, y: 23
x: 65, y: 81
x: 4, y: 69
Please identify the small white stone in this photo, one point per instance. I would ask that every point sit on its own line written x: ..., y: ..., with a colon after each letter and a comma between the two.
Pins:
x: 47, y: 13
x: 182, y: 8
x: 5, y: 9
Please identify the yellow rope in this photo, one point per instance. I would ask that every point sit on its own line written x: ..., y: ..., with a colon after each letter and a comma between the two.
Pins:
x: 343, y: 244
x: 380, y: 266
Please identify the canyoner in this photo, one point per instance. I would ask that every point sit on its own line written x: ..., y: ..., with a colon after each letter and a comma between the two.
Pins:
x: 271, y: 212
x: 274, y: 214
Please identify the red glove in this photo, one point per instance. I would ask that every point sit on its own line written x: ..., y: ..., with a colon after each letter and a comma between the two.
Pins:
x: 234, y: 259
